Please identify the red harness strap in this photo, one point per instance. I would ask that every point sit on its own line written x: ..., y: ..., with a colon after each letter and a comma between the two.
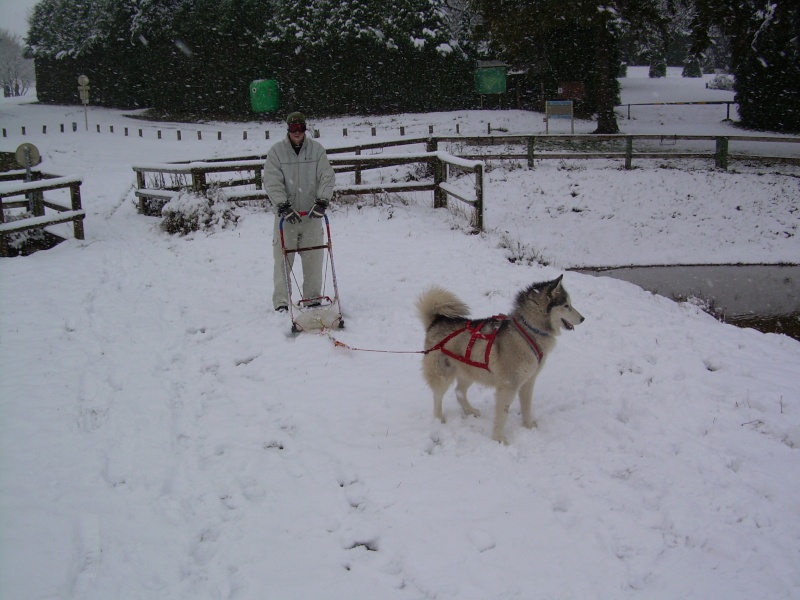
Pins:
x: 475, y: 327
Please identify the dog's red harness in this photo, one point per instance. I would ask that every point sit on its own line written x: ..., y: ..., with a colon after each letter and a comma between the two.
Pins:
x: 477, y: 333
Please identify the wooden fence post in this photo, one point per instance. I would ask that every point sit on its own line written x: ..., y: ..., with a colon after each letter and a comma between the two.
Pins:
x: 141, y: 184
x: 479, y: 197
x: 439, y: 176
x: 199, y: 184
x: 721, y: 155
x: 3, y: 237
x: 75, y: 197
x: 628, y: 152
x: 432, y: 145
x: 37, y: 204
x: 531, y: 148
x: 358, y: 169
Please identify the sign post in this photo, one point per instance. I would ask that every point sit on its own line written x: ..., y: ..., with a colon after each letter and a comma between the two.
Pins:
x: 83, y: 90
x: 28, y: 156
x: 490, y: 78
x: 558, y: 109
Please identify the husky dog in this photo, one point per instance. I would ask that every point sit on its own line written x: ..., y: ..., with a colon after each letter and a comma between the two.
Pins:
x: 503, y: 352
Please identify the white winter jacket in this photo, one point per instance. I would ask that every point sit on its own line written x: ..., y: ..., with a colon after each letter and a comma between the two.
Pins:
x: 299, y: 178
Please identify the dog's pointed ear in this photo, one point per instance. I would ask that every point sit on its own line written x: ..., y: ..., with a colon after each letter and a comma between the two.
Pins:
x: 555, y: 283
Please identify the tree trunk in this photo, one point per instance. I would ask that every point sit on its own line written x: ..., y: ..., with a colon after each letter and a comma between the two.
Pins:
x: 605, y: 79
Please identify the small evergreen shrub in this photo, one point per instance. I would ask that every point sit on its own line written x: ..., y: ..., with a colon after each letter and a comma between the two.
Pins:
x: 658, y: 68
x: 721, y: 82
x: 692, y: 68
x: 190, y: 212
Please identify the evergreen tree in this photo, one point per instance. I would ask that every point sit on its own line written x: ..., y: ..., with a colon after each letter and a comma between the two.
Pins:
x: 530, y: 34
x: 765, y: 56
x: 199, y: 56
x: 366, y: 55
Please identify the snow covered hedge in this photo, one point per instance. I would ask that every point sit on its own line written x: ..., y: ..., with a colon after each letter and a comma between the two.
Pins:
x: 189, y: 212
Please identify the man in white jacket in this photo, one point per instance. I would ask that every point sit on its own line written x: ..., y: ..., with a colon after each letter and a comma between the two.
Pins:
x: 299, y: 180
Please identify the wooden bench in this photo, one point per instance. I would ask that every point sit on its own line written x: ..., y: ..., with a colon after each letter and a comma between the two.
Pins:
x: 36, y: 202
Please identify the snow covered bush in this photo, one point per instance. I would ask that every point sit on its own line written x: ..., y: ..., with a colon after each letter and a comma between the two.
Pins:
x: 721, y: 82
x: 25, y: 242
x: 189, y: 212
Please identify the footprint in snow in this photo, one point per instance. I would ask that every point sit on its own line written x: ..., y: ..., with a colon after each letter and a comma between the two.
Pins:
x: 481, y: 539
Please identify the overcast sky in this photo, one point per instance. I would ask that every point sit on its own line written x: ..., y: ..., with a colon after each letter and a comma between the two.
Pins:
x: 13, y: 13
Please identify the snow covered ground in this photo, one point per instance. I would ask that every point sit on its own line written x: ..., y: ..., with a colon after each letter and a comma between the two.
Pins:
x: 161, y: 436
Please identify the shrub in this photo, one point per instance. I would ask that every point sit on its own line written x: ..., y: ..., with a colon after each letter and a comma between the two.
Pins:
x: 24, y: 242
x: 658, y: 68
x: 692, y: 68
x: 721, y: 82
x: 190, y: 212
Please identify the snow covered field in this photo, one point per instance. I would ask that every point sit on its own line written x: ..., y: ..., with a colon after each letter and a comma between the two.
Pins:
x: 162, y: 437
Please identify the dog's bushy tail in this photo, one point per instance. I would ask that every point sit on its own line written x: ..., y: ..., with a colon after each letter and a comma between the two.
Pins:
x: 437, y: 301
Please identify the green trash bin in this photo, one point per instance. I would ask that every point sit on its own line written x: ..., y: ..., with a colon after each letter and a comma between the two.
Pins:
x: 264, y: 95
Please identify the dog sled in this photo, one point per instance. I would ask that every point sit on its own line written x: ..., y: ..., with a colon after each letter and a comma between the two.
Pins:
x: 322, y: 312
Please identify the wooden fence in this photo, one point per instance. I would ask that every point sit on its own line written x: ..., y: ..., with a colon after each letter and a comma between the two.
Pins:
x: 156, y: 184
x: 553, y: 146
x: 13, y: 185
x: 726, y: 102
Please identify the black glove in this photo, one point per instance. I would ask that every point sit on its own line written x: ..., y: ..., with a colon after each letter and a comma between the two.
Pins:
x: 286, y: 211
x: 319, y: 209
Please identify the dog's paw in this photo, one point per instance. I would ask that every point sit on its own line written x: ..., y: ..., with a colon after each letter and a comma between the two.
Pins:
x: 532, y: 424
x: 500, y: 438
x: 472, y: 412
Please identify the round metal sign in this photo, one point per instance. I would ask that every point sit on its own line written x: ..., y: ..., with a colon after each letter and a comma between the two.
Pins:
x: 27, y: 155
x: 83, y: 80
